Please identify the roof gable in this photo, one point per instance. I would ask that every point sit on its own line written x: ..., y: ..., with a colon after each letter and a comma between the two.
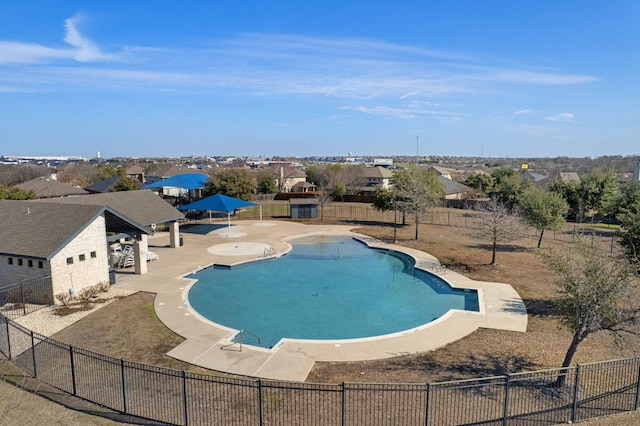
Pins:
x: 41, y: 229
x: 142, y: 206
x: 46, y: 187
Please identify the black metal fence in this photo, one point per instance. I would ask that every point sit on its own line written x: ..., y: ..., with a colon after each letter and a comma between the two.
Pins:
x: 26, y: 296
x: 184, y: 398
x: 604, y: 239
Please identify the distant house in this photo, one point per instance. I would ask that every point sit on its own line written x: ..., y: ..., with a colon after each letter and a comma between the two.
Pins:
x: 368, y: 178
x: 103, y: 186
x: 288, y: 177
x: 49, y: 188
x: 560, y: 176
x: 136, y: 172
x: 165, y: 171
x: 455, y: 190
x: 451, y: 174
x: 303, y: 187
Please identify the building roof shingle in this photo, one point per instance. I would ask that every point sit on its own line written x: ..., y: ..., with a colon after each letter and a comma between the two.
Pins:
x: 141, y: 206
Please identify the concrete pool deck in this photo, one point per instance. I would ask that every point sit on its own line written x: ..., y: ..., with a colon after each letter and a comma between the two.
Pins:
x: 209, y: 345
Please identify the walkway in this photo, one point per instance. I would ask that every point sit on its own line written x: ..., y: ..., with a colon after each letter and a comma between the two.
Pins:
x: 207, y: 344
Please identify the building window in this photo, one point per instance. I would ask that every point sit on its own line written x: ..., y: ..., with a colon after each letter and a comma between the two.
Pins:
x: 81, y: 258
x: 69, y: 260
x: 40, y: 265
x: 30, y: 263
x: 11, y: 261
x: 93, y: 255
x: 19, y: 262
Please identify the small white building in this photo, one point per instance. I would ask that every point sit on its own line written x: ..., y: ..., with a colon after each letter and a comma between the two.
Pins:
x: 67, y: 238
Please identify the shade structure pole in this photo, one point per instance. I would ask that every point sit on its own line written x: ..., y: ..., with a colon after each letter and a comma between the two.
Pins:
x: 229, y: 220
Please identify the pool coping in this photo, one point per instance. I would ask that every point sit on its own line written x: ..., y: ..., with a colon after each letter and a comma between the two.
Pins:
x: 209, y: 345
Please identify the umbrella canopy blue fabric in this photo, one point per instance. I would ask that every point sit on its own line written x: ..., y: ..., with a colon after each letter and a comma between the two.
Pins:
x: 218, y: 203
x: 186, y: 181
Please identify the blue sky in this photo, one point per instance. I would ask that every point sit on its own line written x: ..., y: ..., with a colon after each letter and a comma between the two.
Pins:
x: 264, y: 78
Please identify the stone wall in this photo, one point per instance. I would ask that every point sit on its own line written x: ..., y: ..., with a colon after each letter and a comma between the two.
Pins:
x: 14, y: 269
x: 84, y: 261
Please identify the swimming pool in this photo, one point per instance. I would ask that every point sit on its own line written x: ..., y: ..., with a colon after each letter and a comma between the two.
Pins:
x: 326, y: 288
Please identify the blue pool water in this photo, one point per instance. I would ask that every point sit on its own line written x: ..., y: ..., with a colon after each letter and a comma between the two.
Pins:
x: 325, y: 288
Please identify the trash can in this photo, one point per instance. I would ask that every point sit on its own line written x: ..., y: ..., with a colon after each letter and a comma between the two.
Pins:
x: 181, y: 241
x: 112, y: 276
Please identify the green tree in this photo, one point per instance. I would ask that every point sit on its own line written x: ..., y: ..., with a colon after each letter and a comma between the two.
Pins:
x: 626, y: 200
x: 237, y: 183
x: 15, y: 193
x: 597, y: 190
x: 594, y: 292
x: 267, y: 183
x: 339, y: 189
x: 542, y: 210
x: 497, y: 224
x: 417, y: 190
x: 509, y: 185
x: 126, y: 184
x: 569, y: 192
x: 481, y: 182
x: 383, y: 199
x: 105, y: 171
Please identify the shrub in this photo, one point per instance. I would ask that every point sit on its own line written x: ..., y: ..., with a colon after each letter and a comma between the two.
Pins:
x: 64, y: 298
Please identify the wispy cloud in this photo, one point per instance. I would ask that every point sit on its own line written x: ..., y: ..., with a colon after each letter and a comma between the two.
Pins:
x: 85, y: 50
x: 403, y: 113
x: 411, y: 81
x: 565, y: 117
x: 523, y: 111
x: 81, y: 48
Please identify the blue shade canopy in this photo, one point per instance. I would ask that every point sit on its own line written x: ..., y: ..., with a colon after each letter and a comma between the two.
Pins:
x: 186, y: 181
x: 217, y: 203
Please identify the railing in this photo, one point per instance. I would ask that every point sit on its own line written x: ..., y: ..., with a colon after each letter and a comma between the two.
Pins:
x: 184, y: 398
x: 25, y: 296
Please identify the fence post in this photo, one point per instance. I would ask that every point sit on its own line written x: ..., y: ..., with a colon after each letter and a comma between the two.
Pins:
x: 124, y: 386
x: 637, y: 402
x: 426, y: 405
x: 574, y: 410
x: 506, y: 401
x: 613, y: 239
x: 24, y: 303
x: 73, y: 370
x: 260, y: 420
x: 184, y: 397
x: 6, y: 321
x: 344, y: 420
x: 33, y: 354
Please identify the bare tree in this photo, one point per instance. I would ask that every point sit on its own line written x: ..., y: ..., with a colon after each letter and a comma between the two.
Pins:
x: 353, y: 179
x: 326, y: 178
x: 497, y: 224
x: 596, y: 293
x: 417, y: 190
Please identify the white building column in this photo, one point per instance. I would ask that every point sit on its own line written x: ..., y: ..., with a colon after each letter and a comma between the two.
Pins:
x: 140, y: 249
x: 174, y: 234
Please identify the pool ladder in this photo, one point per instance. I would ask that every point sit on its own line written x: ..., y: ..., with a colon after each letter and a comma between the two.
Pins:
x: 269, y: 252
x: 238, y: 339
